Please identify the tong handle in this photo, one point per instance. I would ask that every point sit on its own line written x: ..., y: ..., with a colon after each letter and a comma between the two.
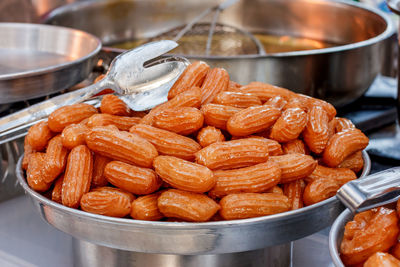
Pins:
x: 372, y: 191
x: 16, y: 125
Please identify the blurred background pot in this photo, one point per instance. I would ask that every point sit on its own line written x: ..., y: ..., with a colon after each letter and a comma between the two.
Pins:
x: 350, y: 41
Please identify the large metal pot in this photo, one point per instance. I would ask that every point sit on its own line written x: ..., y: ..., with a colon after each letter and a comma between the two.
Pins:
x: 338, y: 74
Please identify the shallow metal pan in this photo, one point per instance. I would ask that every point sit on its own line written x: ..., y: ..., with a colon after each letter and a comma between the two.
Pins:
x: 37, y: 60
x: 338, y: 74
x: 188, y: 238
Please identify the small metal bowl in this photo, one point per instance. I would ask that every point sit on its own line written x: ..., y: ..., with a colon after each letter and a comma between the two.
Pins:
x: 375, y: 190
x: 188, y: 238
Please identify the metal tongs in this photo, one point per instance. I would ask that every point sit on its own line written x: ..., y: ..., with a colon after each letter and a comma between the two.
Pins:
x: 139, y: 76
x: 372, y: 191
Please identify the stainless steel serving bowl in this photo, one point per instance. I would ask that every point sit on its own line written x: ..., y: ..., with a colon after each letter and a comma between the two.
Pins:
x: 187, y: 238
x: 338, y: 74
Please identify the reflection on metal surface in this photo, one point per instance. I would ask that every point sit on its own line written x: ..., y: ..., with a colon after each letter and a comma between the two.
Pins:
x: 88, y: 254
x: 9, y: 154
x: 386, y: 144
x: 14, y: 61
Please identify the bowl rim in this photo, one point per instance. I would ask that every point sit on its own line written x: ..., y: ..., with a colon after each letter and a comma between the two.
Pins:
x: 334, y: 238
x: 175, y: 225
x: 336, y: 235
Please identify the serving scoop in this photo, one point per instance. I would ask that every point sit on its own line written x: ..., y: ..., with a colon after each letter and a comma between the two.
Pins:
x: 140, y: 77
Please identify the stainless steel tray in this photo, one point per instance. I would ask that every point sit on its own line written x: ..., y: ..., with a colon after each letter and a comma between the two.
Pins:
x: 188, y: 238
x: 37, y: 60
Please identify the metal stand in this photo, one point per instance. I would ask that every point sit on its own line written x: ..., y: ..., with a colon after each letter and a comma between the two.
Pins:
x: 88, y: 254
x: 386, y: 143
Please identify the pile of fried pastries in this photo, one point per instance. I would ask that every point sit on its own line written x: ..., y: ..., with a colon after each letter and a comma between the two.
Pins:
x: 371, y: 239
x: 216, y: 150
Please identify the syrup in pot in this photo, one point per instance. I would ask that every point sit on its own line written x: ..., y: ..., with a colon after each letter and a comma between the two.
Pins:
x: 231, y: 45
x: 286, y: 43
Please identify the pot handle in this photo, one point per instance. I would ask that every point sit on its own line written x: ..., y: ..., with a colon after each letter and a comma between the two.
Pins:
x: 372, y: 191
